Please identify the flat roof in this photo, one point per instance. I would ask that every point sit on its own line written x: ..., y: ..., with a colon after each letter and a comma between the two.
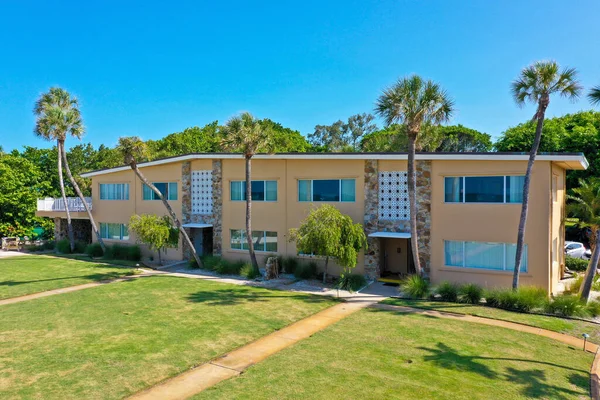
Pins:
x: 566, y: 160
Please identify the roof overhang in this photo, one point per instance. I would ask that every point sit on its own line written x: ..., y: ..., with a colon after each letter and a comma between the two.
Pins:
x: 564, y: 160
x: 390, y: 235
x: 197, y: 226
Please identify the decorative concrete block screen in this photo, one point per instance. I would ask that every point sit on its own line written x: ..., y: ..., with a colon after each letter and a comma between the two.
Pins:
x: 202, y: 202
x: 393, y: 196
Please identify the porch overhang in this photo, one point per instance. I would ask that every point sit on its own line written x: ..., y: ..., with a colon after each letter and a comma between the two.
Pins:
x: 197, y: 226
x: 390, y: 235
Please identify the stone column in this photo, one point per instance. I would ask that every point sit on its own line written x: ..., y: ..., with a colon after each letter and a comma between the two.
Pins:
x: 371, y: 218
x: 217, y: 197
x: 60, y: 228
x: 423, y: 170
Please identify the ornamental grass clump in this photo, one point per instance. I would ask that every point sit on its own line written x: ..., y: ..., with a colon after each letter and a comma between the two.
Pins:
x: 447, y: 291
x: 470, y: 293
x: 416, y: 287
x: 351, y: 282
x: 569, y: 306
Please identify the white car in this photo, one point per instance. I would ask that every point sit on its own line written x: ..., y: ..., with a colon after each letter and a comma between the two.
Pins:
x: 577, y: 250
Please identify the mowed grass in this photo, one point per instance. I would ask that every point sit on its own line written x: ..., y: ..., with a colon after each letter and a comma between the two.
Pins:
x: 32, y: 274
x: 376, y: 354
x: 569, y: 326
x: 114, y: 340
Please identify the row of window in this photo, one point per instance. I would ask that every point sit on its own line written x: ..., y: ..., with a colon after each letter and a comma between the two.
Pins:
x: 120, y: 191
x: 262, y: 240
x: 114, y: 231
x: 483, y: 255
x: 459, y: 189
x: 484, y: 189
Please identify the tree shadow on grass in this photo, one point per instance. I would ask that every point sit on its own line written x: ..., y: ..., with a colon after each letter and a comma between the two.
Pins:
x: 92, y: 277
x: 240, y: 295
x: 533, y: 382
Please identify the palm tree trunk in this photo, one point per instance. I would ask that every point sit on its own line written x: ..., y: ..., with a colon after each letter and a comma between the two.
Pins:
x: 172, y: 214
x: 61, y: 181
x: 588, y: 279
x: 524, y: 208
x: 78, y: 191
x: 412, y: 197
x: 325, y: 270
x: 249, y: 214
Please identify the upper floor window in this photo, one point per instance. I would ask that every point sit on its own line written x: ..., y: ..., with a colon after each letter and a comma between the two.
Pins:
x: 114, y: 191
x: 327, y: 190
x: 262, y: 240
x: 483, y: 255
x: 167, y: 189
x: 114, y: 231
x: 484, y: 189
x: 261, y: 190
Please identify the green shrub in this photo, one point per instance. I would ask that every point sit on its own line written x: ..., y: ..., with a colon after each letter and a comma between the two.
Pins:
x: 249, y: 272
x: 289, y: 264
x: 351, y: 282
x: 470, y: 293
x: 49, y: 245
x: 305, y: 270
x: 567, y: 305
x: 416, y: 287
x: 447, y: 291
x: 80, y: 247
x: 226, y: 267
x: 134, y: 253
x: 94, y: 250
x: 63, y: 246
x: 525, y: 299
x: 575, y: 285
x: 576, y: 264
x: 208, y: 262
x: 123, y: 252
x: 593, y: 308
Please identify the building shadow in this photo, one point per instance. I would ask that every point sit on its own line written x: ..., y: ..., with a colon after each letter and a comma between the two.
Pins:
x: 241, y: 295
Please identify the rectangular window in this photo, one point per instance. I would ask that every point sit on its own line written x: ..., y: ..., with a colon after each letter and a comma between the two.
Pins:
x: 114, y: 231
x: 114, y: 191
x: 261, y: 190
x: 167, y: 189
x: 330, y: 190
x: 483, y: 255
x: 262, y: 240
x: 483, y: 189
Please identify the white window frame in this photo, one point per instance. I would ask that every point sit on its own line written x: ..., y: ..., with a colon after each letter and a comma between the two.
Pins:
x: 257, y: 180
x: 525, y: 262
x: 125, y: 191
x: 312, y: 190
x: 242, y: 233
x: 464, y: 192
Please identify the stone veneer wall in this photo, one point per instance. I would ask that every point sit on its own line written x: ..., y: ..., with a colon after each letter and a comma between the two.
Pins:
x: 372, y: 223
x: 82, y: 229
x: 217, y: 197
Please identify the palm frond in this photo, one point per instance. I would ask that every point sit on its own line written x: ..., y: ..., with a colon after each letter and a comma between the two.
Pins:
x: 245, y: 134
x: 57, y: 115
x: 132, y: 148
x: 594, y: 96
x: 544, y: 78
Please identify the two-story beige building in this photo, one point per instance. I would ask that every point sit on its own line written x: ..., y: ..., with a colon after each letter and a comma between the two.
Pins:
x: 468, y: 208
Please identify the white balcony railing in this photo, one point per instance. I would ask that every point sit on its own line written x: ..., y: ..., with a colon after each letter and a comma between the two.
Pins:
x: 74, y: 203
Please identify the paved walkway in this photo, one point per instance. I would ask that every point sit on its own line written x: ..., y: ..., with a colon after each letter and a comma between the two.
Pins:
x: 234, y: 363
x: 12, y: 253
x: 68, y: 289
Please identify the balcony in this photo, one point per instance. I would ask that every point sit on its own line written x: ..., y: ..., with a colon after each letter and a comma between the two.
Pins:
x: 50, y: 207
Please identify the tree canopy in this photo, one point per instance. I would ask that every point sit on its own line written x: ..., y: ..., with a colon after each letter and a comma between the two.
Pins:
x: 343, y: 136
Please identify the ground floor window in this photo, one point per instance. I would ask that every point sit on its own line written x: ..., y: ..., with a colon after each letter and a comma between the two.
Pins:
x: 263, y: 240
x: 114, y: 231
x: 483, y: 255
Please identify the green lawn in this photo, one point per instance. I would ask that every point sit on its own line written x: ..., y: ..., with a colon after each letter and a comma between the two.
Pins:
x: 31, y: 274
x: 376, y: 354
x: 557, y: 324
x: 114, y: 340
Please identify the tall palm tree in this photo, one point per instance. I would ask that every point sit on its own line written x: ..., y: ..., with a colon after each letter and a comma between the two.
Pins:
x: 535, y: 84
x: 415, y: 103
x: 585, y: 205
x: 58, y: 115
x: 247, y: 135
x: 594, y: 96
x: 132, y: 149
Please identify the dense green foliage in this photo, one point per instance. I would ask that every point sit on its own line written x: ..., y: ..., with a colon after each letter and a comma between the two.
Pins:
x: 447, y: 291
x: 351, y: 282
x: 416, y: 287
x: 154, y: 231
x: 579, y: 132
x: 306, y: 270
x: 126, y: 252
x: 343, y: 136
x: 576, y: 264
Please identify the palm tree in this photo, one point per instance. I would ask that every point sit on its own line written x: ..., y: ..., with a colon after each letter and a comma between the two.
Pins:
x: 246, y: 134
x: 535, y: 84
x: 132, y: 149
x: 594, y: 96
x: 585, y: 205
x: 415, y: 103
x: 58, y: 115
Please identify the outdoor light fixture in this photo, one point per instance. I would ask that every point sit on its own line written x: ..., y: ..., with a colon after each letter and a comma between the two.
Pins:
x: 585, y: 338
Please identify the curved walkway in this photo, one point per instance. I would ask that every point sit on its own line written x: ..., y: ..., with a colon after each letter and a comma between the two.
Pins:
x: 561, y: 337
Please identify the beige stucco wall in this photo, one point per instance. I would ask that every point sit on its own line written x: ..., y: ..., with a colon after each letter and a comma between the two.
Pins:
x: 491, y: 223
x: 120, y: 211
x: 287, y: 212
x: 557, y: 236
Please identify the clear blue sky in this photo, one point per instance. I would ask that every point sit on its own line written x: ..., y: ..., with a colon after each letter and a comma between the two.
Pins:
x: 152, y: 68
